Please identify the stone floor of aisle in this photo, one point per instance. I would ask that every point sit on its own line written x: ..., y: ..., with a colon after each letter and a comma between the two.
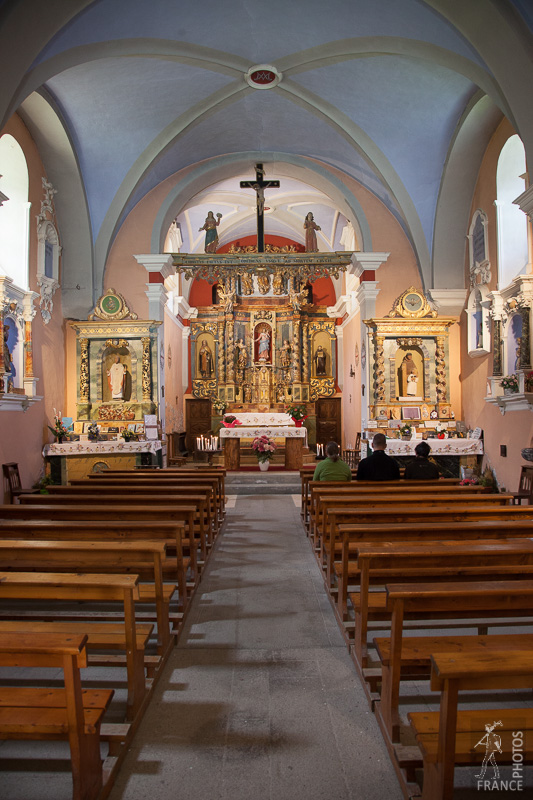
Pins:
x: 260, y: 698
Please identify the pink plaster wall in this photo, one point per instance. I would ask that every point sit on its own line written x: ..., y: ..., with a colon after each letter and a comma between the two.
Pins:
x: 24, y: 433
x: 514, y: 429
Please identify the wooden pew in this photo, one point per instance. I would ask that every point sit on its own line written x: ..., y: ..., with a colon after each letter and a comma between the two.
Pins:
x: 174, y: 566
x: 52, y: 587
x: 451, y: 736
x: 430, y: 601
x: 111, y: 508
x: 144, y: 558
x: 201, y: 496
x: 45, y: 713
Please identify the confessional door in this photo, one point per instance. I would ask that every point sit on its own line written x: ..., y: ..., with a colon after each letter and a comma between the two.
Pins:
x: 197, y: 420
x: 328, y: 420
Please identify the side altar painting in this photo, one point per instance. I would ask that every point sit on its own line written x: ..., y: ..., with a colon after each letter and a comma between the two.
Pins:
x: 116, y: 358
x: 264, y: 343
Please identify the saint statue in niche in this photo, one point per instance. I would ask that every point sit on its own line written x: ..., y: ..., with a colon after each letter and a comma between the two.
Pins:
x: 115, y: 376
x: 277, y: 283
x: 247, y: 286
x: 409, y: 377
x: 242, y: 356
x: 263, y: 340
x: 320, y: 360
x: 285, y: 354
x: 211, y: 236
x: 205, y: 360
x: 310, y: 227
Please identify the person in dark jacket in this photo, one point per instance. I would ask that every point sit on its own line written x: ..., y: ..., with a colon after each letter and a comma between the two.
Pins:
x: 421, y: 468
x: 379, y: 466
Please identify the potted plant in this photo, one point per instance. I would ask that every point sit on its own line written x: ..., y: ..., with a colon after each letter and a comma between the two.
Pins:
x: 509, y: 384
x: 129, y: 436
x: 297, y: 413
x: 406, y: 431
x: 93, y: 432
x: 264, y: 448
x: 441, y: 430
x: 58, y: 429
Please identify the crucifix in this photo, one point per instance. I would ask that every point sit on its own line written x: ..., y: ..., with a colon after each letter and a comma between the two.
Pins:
x: 259, y: 185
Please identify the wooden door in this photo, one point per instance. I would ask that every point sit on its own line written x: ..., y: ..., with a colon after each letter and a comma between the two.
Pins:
x: 328, y: 420
x: 197, y: 420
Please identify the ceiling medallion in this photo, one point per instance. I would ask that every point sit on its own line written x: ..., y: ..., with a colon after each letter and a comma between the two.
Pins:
x: 262, y: 76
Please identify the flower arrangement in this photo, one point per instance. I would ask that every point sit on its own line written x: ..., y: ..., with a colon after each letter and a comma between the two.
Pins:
x: 441, y: 430
x: 230, y: 420
x: 510, y: 382
x: 219, y: 406
x: 94, y: 432
x: 296, y: 412
x: 469, y: 481
x: 264, y: 447
x: 129, y: 436
x: 406, y: 430
x: 58, y: 429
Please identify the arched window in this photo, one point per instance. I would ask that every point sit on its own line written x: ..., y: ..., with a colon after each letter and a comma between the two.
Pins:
x: 512, y: 222
x: 14, y: 212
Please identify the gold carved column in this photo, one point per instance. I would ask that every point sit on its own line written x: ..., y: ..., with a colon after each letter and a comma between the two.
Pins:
x: 379, y: 362
x: 305, y: 359
x: 230, y: 360
x: 296, y: 360
x: 146, y: 371
x: 84, y: 371
x: 221, y: 365
x: 440, y: 370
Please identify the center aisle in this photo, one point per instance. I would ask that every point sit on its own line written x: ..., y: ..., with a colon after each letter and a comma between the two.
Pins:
x: 260, y: 698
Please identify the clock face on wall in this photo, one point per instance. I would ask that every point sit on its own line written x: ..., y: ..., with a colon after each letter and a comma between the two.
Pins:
x: 111, y: 304
x: 413, y: 302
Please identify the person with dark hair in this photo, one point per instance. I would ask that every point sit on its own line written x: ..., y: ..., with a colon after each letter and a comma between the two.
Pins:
x: 332, y: 468
x: 421, y: 468
x: 379, y: 466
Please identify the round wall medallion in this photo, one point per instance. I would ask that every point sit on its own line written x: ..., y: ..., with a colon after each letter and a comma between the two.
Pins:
x: 262, y: 76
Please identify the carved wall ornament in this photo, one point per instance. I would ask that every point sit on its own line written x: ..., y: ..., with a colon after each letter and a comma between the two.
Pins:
x: 111, y: 306
x: 324, y: 387
x: 410, y: 341
x: 204, y: 389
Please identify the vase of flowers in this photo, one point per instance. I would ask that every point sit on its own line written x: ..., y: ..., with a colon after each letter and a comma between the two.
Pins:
x: 406, y: 432
x: 297, y: 413
x: 264, y: 448
x: 219, y: 407
x: 230, y: 421
x: 94, y: 432
x: 58, y: 428
x: 129, y: 436
x: 441, y: 430
x: 509, y: 384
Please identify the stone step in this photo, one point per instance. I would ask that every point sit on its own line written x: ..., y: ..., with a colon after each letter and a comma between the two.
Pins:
x: 263, y: 482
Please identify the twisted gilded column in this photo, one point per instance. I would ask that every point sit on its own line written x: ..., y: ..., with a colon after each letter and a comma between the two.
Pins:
x: 525, y: 357
x: 305, y: 360
x: 221, y: 370
x: 230, y: 361
x: 379, y: 370
x: 497, y: 368
x: 440, y: 370
x: 296, y: 349
x: 84, y: 371
x: 146, y: 372
x: 28, y: 350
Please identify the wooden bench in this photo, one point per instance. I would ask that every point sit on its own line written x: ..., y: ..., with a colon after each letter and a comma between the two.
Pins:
x: 407, y: 513
x: 111, y: 508
x: 69, y: 713
x: 430, y: 601
x: 453, y: 736
x: 174, y: 565
x: 52, y: 587
x: 144, y: 558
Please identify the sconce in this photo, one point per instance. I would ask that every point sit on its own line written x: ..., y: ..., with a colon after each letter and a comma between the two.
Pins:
x: 352, y: 373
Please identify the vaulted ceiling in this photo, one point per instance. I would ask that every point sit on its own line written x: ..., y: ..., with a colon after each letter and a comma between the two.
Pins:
x: 400, y: 96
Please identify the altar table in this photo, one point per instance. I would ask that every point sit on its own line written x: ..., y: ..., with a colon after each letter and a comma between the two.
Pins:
x: 294, y: 438
x: 76, y: 460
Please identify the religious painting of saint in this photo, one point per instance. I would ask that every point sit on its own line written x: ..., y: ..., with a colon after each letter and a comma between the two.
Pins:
x: 205, y: 360
x: 410, y: 376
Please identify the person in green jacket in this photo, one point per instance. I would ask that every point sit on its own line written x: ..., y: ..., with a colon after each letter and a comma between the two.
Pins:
x: 332, y: 468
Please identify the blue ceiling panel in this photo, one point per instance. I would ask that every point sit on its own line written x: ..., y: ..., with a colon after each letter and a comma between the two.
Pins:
x: 245, y: 27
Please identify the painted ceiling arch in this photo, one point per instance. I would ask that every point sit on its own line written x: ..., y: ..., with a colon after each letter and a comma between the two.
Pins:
x: 387, y: 92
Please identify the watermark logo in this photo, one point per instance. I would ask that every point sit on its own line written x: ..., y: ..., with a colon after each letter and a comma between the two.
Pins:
x: 493, y: 744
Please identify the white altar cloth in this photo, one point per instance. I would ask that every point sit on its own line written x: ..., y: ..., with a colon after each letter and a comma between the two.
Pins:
x: 264, y: 419
x: 281, y: 432
x: 93, y: 448
x: 439, y: 447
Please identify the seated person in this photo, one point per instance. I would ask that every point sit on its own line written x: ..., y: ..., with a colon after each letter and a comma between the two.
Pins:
x: 379, y: 466
x: 332, y: 468
x: 421, y: 468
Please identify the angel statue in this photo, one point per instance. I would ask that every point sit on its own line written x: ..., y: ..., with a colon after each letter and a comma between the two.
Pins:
x: 226, y: 297
x: 297, y: 299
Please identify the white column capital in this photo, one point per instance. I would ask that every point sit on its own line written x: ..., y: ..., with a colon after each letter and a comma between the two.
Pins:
x: 366, y: 295
x: 362, y: 262
x: 449, y: 301
x: 525, y: 202
x: 157, y: 263
x: 28, y: 311
x: 157, y: 299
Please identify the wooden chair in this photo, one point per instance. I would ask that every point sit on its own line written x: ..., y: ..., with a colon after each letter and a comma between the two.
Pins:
x: 525, y: 487
x: 12, y: 477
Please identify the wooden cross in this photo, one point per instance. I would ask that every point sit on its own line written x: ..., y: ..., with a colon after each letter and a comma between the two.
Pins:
x: 259, y: 185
